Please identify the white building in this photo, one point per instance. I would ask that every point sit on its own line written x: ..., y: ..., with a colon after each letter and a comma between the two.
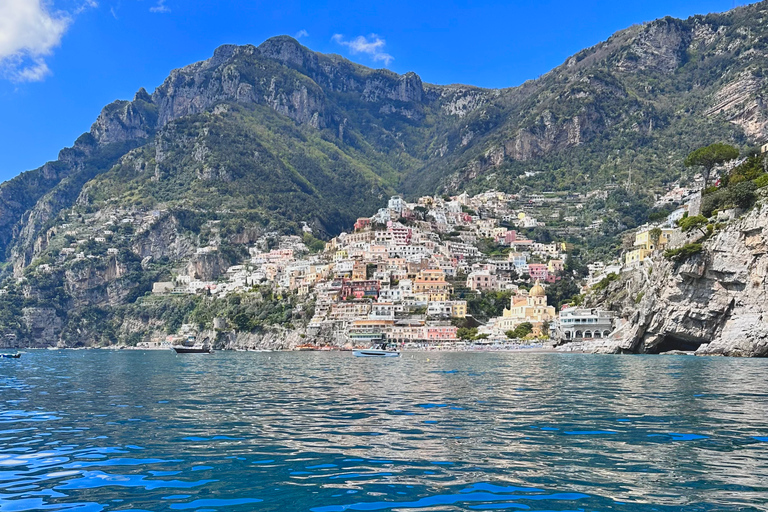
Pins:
x: 396, y: 204
x: 382, y: 310
x: 579, y: 324
x: 390, y: 295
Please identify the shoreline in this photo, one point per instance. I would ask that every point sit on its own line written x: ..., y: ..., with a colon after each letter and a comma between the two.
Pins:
x: 526, y: 349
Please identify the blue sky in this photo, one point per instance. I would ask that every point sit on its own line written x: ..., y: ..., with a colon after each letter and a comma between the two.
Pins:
x: 61, y: 61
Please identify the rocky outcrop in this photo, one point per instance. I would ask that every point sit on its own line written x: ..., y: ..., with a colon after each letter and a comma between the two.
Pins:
x: 43, y: 325
x: 126, y: 120
x: 742, y: 103
x: 715, y: 303
x: 661, y: 46
x: 164, y: 239
x: 207, y: 267
x: 272, y: 338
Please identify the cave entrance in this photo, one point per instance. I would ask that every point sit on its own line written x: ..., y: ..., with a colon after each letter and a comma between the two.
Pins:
x: 671, y: 342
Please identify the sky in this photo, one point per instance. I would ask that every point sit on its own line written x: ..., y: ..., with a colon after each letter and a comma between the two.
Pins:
x: 62, y: 61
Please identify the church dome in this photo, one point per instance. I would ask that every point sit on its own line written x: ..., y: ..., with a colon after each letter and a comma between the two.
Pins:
x: 537, y: 291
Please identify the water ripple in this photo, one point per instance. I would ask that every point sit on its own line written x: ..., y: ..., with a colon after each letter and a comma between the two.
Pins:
x: 97, y: 430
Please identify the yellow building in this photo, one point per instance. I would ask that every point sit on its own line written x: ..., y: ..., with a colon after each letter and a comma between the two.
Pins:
x: 459, y: 308
x: 555, y: 266
x: 644, y: 245
x: 527, y: 308
x: 359, y: 271
x: 430, y: 285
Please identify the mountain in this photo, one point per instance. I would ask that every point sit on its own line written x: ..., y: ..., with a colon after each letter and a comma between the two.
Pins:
x: 271, y: 137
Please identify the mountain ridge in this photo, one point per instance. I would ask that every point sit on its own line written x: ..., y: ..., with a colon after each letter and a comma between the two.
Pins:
x: 590, y: 119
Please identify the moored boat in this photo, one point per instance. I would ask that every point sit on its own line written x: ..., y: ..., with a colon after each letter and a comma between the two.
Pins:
x: 11, y: 356
x: 192, y: 350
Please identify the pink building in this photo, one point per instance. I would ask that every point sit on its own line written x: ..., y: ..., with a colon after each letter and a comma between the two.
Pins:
x: 538, y: 271
x: 481, y: 280
x: 360, y: 289
x: 440, y: 333
x: 362, y: 223
x: 400, y: 235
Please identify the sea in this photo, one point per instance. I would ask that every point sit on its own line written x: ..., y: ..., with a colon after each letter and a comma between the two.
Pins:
x: 98, y: 430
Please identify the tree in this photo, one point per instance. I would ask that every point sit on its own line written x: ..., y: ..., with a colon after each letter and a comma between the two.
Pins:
x: 710, y: 156
x: 522, y: 330
x: 655, y: 236
x: 574, y: 266
x: 467, y: 333
x: 696, y: 222
x: 562, y: 291
x: 742, y: 194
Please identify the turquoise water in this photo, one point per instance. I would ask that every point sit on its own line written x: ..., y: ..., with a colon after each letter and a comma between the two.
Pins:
x: 327, y: 432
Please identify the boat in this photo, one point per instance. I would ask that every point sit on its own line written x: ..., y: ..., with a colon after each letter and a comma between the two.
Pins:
x: 192, y: 350
x: 377, y: 350
x: 198, y: 349
x: 11, y: 356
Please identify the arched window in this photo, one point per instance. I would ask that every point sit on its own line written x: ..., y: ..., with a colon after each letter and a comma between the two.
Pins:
x: 587, y: 334
x: 579, y: 334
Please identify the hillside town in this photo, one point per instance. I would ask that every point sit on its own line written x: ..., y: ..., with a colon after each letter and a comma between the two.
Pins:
x: 404, y: 275
x: 408, y: 274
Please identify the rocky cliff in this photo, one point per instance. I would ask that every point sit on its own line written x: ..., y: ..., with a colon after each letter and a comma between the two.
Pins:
x: 714, y: 302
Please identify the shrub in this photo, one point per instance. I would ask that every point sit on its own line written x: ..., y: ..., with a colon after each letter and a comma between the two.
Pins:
x: 742, y: 194
x: 761, y: 181
x: 604, y: 282
x: 712, y: 202
x: 688, y: 223
x: 747, y: 171
x: 684, y: 252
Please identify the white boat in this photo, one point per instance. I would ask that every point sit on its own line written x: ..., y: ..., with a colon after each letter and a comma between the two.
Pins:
x: 376, y: 352
x: 380, y: 349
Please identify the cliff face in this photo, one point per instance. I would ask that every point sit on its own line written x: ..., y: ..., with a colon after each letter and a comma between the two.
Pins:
x: 715, y: 303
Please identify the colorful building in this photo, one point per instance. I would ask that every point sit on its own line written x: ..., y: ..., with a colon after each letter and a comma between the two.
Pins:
x: 531, y: 308
x: 360, y: 289
x: 646, y: 244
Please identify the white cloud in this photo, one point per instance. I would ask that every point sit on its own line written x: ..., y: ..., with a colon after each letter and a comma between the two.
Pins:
x: 160, y: 7
x: 87, y: 4
x: 372, y: 45
x: 301, y: 33
x: 29, y: 31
